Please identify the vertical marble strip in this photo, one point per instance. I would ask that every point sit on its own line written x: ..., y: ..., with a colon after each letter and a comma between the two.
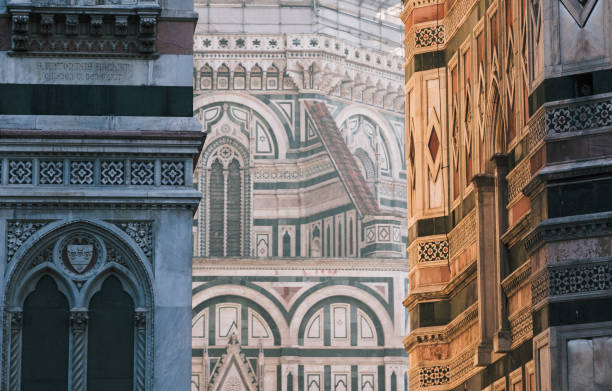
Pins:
x: 6, y: 318
x: 15, y: 353
x: 140, y: 335
x: 78, y: 326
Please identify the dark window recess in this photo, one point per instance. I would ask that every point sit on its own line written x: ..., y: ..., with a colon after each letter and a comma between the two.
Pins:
x: 290, y: 382
x: 393, y: 382
x: 44, y: 363
x: 217, y: 210
x: 286, y: 245
x: 234, y: 209
x: 110, y: 353
x: 583, y: 84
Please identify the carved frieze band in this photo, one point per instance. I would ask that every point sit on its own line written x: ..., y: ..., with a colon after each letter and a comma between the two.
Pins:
x: 517, y: 279
x: 521, y: 326
x: 517, y: 179
x: 463, y: 234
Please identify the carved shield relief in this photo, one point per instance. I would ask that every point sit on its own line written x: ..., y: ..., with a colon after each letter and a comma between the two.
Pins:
x: 79, y: 254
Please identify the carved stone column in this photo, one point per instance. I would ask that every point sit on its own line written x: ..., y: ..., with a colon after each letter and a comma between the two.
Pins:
x: 140, y: 349
x: 503, y: 337
x: 16, y: 321
x: 204, y: 376
x: 78, y: 329
x: 486, y: 266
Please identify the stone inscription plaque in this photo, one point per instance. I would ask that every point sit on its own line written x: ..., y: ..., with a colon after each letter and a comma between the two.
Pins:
x: 84, y: 72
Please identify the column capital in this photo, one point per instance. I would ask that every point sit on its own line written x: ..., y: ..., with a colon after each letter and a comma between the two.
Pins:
x: 78, y: 320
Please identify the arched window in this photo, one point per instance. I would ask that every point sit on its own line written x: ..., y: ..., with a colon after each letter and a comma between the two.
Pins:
x: 234, y: 209
x: 110, y: 352
x: 393, y: 382
x: 217, y: 209
x: 286, y: 244
x: 256, y: 78
x: 290, y: 382
x: 272, y: 78
x: 206, y: 77
x: 224, y: 193
x: 223, y: 76
x: 351, y: 236
x: 315, y: 244
x: 44, y: 363
x: 239, y: 78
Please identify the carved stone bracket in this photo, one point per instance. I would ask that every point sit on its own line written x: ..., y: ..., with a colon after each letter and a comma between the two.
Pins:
x: 82, y: 30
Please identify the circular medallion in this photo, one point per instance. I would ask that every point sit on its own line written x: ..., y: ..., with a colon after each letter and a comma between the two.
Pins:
x: 79, y: 254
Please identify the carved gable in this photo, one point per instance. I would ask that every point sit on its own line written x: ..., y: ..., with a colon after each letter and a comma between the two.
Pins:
x: 233, y: 372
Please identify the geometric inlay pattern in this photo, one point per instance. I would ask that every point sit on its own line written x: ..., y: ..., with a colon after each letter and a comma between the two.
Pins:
x: 172, y: 173
x: 20, y: 172
x: 82, y: 172
x: 51, y: 172
x: 143, y: 172
x: 583, y: 278
x: 433, y: 251
x: 429, y: 36
x: 434, y: 376
x: 575, y: 118
x: 112, y: 172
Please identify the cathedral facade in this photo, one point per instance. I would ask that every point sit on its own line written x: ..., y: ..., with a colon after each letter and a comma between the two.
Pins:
x: 508, y: 160
x: 300, y: 240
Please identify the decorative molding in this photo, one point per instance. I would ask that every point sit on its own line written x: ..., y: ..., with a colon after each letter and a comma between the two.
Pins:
x: 141, y: 232
x: 580, y: 9
x: 233, y: 356
x: 462, y: 365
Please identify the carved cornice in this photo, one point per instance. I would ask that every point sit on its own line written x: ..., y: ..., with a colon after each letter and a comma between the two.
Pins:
x: 521, y: 326
x: 569, y: 228
x: 459, y: 281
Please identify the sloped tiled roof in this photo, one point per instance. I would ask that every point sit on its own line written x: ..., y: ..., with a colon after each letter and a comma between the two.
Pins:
x: 342, y: 158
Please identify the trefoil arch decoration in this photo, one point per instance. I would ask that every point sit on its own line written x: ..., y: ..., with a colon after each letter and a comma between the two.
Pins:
x: 79, y: 256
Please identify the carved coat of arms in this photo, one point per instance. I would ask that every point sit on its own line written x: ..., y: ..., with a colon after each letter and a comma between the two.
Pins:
x: 79, y: 254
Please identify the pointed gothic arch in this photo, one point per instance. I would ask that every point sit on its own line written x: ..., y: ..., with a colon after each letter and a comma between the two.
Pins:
x: 77, y: 255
